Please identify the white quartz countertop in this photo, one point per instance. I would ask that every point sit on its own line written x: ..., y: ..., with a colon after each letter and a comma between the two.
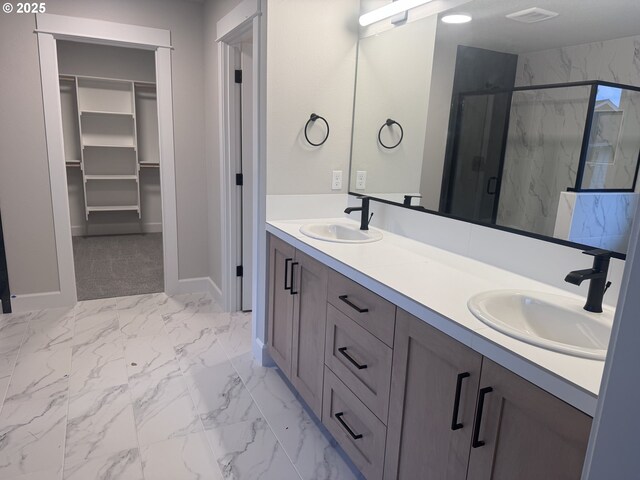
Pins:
x: 435, y: 285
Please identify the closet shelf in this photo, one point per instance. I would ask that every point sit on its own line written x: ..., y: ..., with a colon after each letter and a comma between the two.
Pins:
x: 104, y: 145
x: 105, y: 112
x: 111, y: 177
x: 113, y: 208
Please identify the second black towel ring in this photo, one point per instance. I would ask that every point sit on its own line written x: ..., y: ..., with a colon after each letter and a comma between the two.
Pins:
x: 312, y: 119
x: 389, y: 123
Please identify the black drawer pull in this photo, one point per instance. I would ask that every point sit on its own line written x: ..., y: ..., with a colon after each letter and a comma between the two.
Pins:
x: 346, y: 427
x: 345, y: 299
x: 476, y: 428
x: 286, y: 273
x: 455, y: 425
x: 292, y: 278
x: 343, y: 351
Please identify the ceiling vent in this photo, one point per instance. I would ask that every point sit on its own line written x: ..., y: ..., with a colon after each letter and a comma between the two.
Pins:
x: 532, y: 15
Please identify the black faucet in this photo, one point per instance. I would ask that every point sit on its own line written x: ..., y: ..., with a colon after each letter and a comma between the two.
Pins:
x: 364, y: 216
x: 598, y: 277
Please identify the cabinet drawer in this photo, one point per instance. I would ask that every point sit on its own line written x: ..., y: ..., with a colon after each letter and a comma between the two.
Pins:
x: 356, y: 429
x: 360, y: 360
x: 369, y: 310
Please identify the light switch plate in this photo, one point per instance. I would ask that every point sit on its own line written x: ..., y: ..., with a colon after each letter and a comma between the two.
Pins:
x: 336, y: 180
x: 361, y: 179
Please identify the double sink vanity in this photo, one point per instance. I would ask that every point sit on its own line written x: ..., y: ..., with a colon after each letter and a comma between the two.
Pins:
x: 426, y: 364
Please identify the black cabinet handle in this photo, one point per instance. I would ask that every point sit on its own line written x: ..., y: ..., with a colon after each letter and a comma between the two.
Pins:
x: 345, y: 299
x: 455, y: 425
x: 343, y: 351
x: 476, y: 428
x: 355, y: 436
x: 286, y: 273
x: 292, y: 277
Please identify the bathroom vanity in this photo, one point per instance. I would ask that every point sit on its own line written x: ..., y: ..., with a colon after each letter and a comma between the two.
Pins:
x: 407, y: 381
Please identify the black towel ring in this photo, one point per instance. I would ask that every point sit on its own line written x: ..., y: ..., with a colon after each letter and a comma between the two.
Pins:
x: 389, y: 123
x: 312, y: 119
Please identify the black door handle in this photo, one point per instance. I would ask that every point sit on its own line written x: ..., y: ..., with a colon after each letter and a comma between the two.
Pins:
x: 291, y: 291
x: 455, y: 425
x: 355, y: 436
x: 476, y: 428
x: 345, y: 299
x: 343, y: 351
x: 491, y: 191
x: 286, y: 273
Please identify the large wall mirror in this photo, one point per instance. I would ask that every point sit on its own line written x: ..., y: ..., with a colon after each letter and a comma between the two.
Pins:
x: 523, y: 118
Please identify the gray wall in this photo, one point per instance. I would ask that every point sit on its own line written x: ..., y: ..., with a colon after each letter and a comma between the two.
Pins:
x: 25, y: 197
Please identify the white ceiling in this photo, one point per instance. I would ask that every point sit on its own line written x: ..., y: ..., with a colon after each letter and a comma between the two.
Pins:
x: 580, y: 21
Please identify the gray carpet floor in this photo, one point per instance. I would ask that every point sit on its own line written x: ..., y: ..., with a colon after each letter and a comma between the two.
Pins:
x: 118, y: 265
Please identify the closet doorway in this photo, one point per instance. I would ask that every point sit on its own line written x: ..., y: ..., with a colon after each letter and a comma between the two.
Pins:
x: 110, y: 129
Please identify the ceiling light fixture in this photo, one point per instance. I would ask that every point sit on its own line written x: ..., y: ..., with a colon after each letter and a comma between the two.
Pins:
x: 457, y: 18
x: 389, y: 10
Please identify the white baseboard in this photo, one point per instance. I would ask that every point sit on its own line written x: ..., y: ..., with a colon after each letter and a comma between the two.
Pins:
x: 115, y: 229
x: 39, y: 301
x: 260, y: 353
x: 200, y: 285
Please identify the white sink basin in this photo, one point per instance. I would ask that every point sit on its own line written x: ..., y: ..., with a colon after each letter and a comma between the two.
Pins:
x: 551, y: 321
x: 340, y: 232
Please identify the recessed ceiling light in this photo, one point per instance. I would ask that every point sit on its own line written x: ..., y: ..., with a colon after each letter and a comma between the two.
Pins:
x: 457, y: 18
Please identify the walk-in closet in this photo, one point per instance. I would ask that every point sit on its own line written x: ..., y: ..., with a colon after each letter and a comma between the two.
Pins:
x: 110, y: 126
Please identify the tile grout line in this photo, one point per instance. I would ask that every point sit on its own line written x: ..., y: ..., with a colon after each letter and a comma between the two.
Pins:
x: 66, y: 426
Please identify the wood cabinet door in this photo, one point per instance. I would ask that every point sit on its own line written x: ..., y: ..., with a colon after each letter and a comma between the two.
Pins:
x: 434, y: 383
x: 309, y: 321
x: 280, y: 313
x: 525, y: 432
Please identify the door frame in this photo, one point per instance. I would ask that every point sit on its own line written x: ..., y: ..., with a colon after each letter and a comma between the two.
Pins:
x: 248, y: 15
x: 50, y: 28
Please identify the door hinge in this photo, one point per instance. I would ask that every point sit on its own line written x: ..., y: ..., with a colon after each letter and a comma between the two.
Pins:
x: 239, y: 179
x: 238, y: 76
x: 239, y: 271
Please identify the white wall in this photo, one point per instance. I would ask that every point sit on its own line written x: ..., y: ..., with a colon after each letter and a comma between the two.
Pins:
x: 311, y: 58
x: 24, y: 189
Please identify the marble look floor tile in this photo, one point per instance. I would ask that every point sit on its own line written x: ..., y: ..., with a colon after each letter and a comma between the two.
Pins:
x: 105, y: 333
x: 91, y: 314
x: 149, y: 358
x: 100, y: 423
x: 250, y: 451
x: 11, y: 336
x: 32, y: 435
x: 184, y: 458
x: 187, y: 303
x: 40, y: 375
x: 220, y: 397
x: 313, y: 454
x: 235, y: 332
x: 49, y: 330
x: 4, y: 383
x: 140, y: 315
x: 195, y: 345
x: 96, y: 367
x: 269, y: 390
x: 163, y: 409
x: 10, y: 318
x: 49, y: 474
x: 123, y: 465
x: 7, y: 362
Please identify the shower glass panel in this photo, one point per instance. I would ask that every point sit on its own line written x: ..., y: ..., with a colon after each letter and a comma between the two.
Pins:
x: 542, y: 155
x: 612, y: 154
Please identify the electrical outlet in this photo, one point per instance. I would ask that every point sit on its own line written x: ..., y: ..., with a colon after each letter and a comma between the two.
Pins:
x: 361, y: 179
x: 336, y: 180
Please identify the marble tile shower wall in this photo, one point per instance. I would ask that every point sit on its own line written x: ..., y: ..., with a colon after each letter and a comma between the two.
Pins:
x: 534, y: 176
